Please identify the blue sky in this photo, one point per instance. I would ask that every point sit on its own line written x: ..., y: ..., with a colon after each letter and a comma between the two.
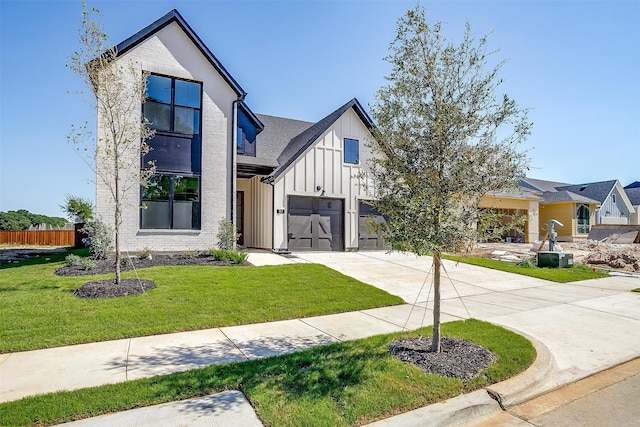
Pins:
x: 575, y: 64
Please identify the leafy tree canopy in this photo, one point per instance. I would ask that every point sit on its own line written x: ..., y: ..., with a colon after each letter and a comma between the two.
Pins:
x: 77, y: 209
x: 447, y: 137
x: 23, y: 220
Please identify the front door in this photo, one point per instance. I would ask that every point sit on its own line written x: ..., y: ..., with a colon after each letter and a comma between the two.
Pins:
x: 240, y: 216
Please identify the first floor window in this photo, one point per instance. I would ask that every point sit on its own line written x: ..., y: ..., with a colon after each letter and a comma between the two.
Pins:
x: 171, y: 202
x: 351, y: 151
x: 582, y: 215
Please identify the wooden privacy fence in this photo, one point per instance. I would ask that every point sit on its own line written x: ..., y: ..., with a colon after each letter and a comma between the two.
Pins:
x: 38, y: 237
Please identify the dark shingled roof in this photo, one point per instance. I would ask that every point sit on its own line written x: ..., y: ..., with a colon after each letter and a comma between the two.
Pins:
x: 592, y: 190
x: 566, y: 196
x: 541, y: 185
x: 635, y: 184
x: 633, y: 193
x: 298, y: 144
x: 277, y: 133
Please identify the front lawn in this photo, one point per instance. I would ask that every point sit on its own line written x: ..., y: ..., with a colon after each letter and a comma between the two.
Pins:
x: 350, y: 383
x: 559, y: 275
x: 39, y: 310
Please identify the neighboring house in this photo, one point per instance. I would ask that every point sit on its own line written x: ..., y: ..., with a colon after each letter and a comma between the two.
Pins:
x: 523, y: 201
x: 287, y: 184
x: 579, y: 207
x: 633, y: 193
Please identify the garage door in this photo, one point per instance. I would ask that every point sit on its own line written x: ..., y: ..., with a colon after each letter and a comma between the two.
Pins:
x: 368, y: 238
x: 315, y: 224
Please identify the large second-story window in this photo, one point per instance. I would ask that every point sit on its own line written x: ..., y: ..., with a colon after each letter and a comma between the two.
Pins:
x: 173, y: 105
x: 171, y: 198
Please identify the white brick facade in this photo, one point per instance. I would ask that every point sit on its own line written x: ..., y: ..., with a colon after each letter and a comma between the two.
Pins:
x: 171, y: 52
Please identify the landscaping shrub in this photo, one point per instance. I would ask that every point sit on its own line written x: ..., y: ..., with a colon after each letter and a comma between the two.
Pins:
x: 100, y: 240
x: 78, y: 261
x: 145, y: 253
x: 236, y: 257
x: 227, y: 235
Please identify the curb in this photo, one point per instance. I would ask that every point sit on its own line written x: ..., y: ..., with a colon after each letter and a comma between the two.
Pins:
x: 451, y: 412
x: 531, y: 383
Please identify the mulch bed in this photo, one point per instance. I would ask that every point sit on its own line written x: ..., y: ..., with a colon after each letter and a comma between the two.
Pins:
x: 106, y: 266
x: 457, y: 358
x: 109, y: 289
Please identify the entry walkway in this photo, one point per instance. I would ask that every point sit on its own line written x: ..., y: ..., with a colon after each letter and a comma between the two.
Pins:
x: 587, y: 327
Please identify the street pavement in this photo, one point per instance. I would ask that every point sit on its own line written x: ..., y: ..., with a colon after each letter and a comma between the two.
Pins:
x: 606, y: 398
x: 578, y: 329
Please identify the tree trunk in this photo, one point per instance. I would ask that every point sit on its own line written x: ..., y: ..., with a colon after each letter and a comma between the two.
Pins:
x: 435, y: 345
x: 117, y: 232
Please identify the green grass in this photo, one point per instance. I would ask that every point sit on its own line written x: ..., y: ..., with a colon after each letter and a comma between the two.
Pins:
x: 350, y: 383
x: 559, y: 275
x: 39, y: 310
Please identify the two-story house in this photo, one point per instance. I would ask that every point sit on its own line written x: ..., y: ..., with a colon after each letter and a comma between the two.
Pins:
x: 286, y: 184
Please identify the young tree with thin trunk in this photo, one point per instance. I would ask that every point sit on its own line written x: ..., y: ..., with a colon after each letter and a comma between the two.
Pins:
x: 445, y: 138
x: 116, y: 89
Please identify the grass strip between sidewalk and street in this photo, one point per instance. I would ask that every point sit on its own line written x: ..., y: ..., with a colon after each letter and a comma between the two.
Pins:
x: 349, y: 383
x: 558, y: 275
x: 39, y: 309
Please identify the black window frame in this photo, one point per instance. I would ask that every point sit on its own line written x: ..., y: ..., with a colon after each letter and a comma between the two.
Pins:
x: 345, y: 151
x: 173, y: 105
x: 171, y: 199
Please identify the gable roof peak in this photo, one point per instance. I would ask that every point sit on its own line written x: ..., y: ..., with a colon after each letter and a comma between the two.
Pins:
x: 167, y: 19
x: 298, y: 144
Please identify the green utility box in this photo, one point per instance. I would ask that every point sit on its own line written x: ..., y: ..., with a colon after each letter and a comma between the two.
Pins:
x: 555, y: 259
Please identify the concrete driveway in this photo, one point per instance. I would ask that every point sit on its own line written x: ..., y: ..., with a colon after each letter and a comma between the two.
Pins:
x: 587, y: 326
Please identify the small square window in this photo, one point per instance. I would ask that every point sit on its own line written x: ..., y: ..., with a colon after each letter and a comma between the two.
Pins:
x: 351, y: 151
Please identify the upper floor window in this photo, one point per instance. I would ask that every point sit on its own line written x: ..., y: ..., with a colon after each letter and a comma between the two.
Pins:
x: 613, y: 199
x: 173, y: 105
x: 246, y: 137
x: 351, y: 151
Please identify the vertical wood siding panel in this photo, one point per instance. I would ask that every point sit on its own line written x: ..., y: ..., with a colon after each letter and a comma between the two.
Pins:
x: 310, y: 172
x: 328, y: 171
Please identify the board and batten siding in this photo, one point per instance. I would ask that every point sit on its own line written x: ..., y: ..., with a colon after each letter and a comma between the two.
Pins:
x: 258, y: 203
x: 613, y: 213
x: 170, y: 52
x: 323, y: 165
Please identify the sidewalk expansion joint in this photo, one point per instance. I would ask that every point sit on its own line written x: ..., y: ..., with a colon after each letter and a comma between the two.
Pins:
x: 320, y: 330
x: 126, y: 361
x: 234, y: 344
x: 600, y: 311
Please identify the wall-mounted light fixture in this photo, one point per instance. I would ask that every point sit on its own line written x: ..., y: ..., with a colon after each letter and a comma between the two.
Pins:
x: 319, y: 188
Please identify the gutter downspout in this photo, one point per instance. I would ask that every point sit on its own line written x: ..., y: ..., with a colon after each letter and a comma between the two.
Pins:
x: 234, y: 145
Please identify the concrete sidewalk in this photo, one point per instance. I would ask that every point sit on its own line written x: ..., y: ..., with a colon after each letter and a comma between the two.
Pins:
x: 586, y: 327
